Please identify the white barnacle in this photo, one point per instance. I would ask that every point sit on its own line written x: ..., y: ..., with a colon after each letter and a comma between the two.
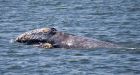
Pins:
x: 70, y: 42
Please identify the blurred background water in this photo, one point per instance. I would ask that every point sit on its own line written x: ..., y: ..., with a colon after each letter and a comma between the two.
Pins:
x: 117, y: 21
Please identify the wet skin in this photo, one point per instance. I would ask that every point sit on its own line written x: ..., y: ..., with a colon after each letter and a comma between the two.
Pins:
x: 51, y: 38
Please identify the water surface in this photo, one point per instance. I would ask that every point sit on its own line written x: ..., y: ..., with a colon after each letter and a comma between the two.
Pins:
x: 117, y: 21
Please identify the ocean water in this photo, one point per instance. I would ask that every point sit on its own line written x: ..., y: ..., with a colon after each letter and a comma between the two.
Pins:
x: 116, y: 21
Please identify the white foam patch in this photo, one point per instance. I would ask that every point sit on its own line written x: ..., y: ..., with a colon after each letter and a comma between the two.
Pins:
x: 11, y: 41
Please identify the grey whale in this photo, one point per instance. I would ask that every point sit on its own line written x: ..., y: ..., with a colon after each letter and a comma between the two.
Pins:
x: 52, y: 38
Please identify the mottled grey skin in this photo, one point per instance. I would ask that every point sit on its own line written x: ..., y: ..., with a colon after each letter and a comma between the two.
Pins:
x: 61, y: 40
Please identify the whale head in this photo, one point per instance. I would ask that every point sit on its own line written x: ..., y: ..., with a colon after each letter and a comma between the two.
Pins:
x: 41, y: 35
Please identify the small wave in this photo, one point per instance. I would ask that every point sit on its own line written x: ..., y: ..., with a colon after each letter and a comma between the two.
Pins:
x: 11, y: 41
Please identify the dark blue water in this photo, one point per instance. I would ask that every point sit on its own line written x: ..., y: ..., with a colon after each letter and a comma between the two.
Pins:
x: 117, y: 21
